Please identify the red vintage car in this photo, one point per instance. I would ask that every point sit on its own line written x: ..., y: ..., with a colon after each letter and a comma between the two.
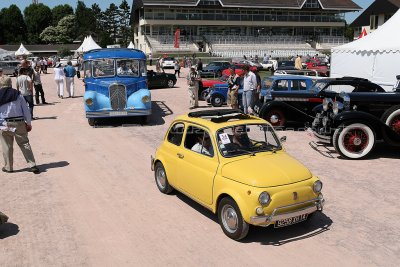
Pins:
x: 316, y: 64
x: 207, y: 83
x: 238, y: 69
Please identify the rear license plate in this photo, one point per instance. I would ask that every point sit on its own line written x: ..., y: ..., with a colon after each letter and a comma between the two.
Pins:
x: 118, y: 113
x: 290, y: 221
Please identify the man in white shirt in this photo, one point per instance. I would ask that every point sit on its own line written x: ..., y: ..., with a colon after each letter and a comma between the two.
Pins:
x: 203, y: 145
x: 25, y: 86
x: 249, y: 89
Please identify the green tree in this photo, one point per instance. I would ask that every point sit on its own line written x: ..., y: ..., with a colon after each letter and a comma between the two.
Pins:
x: 64, y: 32
x: 64, y: 51
x: 111, y: 17
x: 59, y: 12
x: 85, y: 20
x: 37, y: 18
x: 13, y: 25
x: 124, y: 23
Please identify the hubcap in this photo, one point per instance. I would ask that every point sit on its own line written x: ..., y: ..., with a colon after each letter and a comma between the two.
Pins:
x: 217, y: 100
x: 274, y: 119
x: 395, y: 124
x: 355, y: 140
x: 229, y: 219
x: 161, y: 180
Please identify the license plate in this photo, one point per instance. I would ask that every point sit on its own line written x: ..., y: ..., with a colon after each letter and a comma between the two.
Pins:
x: 290, y: 221
x: 118, y: 113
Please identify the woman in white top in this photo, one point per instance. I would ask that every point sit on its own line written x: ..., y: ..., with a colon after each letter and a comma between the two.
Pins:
x: 59, y: 78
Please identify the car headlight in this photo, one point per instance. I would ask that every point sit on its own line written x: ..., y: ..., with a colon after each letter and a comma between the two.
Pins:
x: 264, y: 198
x: 89, y: 101
x: 146, y: 99
x: 317, y: 186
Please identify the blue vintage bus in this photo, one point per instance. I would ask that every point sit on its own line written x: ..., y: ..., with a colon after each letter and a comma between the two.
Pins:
x: 116, y: 84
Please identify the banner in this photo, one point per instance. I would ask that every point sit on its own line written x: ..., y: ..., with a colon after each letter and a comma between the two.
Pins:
x: 177, y: 38
x: 363, y: 33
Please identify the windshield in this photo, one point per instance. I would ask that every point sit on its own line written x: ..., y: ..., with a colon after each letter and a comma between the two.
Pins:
x: 318, y: 86
x: 103, y: 67
x: 128, y: 67
x: 247, y: 139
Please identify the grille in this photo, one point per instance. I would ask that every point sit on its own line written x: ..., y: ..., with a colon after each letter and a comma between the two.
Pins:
x: 117, y: 96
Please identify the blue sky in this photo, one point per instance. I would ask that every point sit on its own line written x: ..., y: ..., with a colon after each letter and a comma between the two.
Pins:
x: 105, y: 3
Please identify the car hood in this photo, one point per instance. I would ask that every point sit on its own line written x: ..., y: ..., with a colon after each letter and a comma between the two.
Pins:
x: 266, y: 170
x: 209, y: 83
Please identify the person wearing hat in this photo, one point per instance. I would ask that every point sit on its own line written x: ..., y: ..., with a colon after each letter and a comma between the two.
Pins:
x: 193, y: 80
x: 59, y: 79
x: 15, y: 123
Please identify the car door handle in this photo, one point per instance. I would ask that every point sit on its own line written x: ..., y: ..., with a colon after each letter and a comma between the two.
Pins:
x: 180, y: 156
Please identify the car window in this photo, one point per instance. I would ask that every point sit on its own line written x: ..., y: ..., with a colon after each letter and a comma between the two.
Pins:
x: 103, y: 68
x: 281, y: 85
x: 128, y: 67
x: 299, y: 85
x: 176, y: 133
x: 87, y: 68
x: 267, y: 83
x: 340, y: 88
x: 199, y: 141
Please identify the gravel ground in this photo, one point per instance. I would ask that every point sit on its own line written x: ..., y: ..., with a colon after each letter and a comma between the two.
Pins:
x: 96, y: 203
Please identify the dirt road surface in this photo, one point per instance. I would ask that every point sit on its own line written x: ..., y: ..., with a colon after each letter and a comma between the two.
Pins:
x: 96, y: 202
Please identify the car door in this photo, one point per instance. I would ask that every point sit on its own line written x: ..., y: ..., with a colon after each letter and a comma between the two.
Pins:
x: 150, y: 79
x: 198, y: 164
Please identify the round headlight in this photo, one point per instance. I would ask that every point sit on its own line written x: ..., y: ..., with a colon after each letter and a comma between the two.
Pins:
x: 146, y: 99
x: 317, y: 186
x: 89, y: 101
x: 264, y: 198
x: 335, y: 107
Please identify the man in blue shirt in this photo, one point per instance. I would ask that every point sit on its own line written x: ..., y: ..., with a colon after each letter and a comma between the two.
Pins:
x: 15, y: 123
x: 70, y: 73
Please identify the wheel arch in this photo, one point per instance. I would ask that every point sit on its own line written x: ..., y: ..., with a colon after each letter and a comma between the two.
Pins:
x: 237, y: 198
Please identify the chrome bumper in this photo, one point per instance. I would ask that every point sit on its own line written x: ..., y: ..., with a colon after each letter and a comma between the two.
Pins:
x: 321, y: 138
x: 111, y: 114
x: 317, y: 205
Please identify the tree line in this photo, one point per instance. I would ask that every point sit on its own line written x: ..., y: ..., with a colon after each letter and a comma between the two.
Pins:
x: 39, y: 24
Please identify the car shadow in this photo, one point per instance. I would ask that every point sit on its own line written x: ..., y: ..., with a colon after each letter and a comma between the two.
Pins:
x: 193, y: 204
x: 8, y: 229
x: 159, y: 111
x: 46, y: 118
x: 317, y: 224
x: 46, y: 166
x: 323, y: 149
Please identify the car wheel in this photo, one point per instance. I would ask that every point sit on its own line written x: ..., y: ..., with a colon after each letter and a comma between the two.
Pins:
x: 203, y: 95
x: 354, y: 141
x: 231, y: 220
x: 91, y: 122
x: 275, y: 117
x: 170, y: 83
x: 217, y: 101
x: 161, y: 179
x: 391, y: 117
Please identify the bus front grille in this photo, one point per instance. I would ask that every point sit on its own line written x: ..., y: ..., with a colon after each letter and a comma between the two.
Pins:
x: 117, y: 96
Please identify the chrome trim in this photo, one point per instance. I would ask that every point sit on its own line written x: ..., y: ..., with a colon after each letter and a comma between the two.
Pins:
x: 322, y: 138
x: 117, y: 96
x: 266, y: 220
x: 106, y: 113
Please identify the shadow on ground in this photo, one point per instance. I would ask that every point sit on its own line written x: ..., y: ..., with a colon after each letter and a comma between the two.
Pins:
x: 45, y: 167
x: 316, y: 224
x: 159, y: 111
x: 8, y: 229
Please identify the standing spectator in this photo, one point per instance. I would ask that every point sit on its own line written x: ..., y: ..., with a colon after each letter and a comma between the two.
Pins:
x: 199, y: 65
x: 177, y: 68
x: 70, y: 73
x: 297, y: 63
x: 249, y: 88
x: 251, y: 57
x: 233, y: 89
x: 193, y: 79
x: 37, y: 83
x: 265, y: 59
x: 244, y: 57
x: 151, y: 59
x: 43, y: 66
x: 189, y: 63
x: 59, y: 79
x: 15, y: 123
x: 25, y: 64
x: 25, y: 86
x: 258, y: 87
x: 158, y: 65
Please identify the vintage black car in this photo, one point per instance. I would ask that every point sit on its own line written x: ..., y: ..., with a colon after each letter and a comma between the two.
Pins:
x: 295, y: 106
x: 160, y: 79
x: 354, y: 122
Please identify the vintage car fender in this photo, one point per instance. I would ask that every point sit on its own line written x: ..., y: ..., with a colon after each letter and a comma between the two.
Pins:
x: 100, y: 101
x: 360, y: 116
x: 135, y: 99
x: 284, y: 107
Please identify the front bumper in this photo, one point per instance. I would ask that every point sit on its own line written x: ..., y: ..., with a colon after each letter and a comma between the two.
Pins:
x: 123, y: 113
x: 315, y: 205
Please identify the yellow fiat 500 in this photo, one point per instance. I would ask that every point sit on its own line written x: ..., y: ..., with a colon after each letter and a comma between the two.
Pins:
x: 234, y: 165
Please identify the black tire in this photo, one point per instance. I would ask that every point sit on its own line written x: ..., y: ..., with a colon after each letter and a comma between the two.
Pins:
x: 391, y: 118
x: 162, y: 185
x: 275, y: 117
x: 170, y: 83
x: 354, y: 140
x: 230, y: 219
x: 91, y: 122
x: 217, y: 101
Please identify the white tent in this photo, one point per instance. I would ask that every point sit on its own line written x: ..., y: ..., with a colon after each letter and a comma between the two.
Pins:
x: 22, y: 51
x: 131, y: 45
x: 375, y: 57
x: 87, y: 45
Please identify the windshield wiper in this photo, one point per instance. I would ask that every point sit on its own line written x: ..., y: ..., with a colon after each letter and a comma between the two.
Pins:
x: 251, y: 153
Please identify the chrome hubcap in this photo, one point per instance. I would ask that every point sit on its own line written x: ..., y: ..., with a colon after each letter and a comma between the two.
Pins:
x: 218, y: 100
x: 230, y: 219
x: 357, y: 141
x: 161, y: 180
x: 170, y: 83
x: 274, y: 119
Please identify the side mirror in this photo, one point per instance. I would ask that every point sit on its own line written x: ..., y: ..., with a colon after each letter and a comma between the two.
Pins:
x: 283, y: 139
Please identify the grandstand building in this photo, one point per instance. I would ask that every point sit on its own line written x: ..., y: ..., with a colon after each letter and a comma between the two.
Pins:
x: 232, y: 28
